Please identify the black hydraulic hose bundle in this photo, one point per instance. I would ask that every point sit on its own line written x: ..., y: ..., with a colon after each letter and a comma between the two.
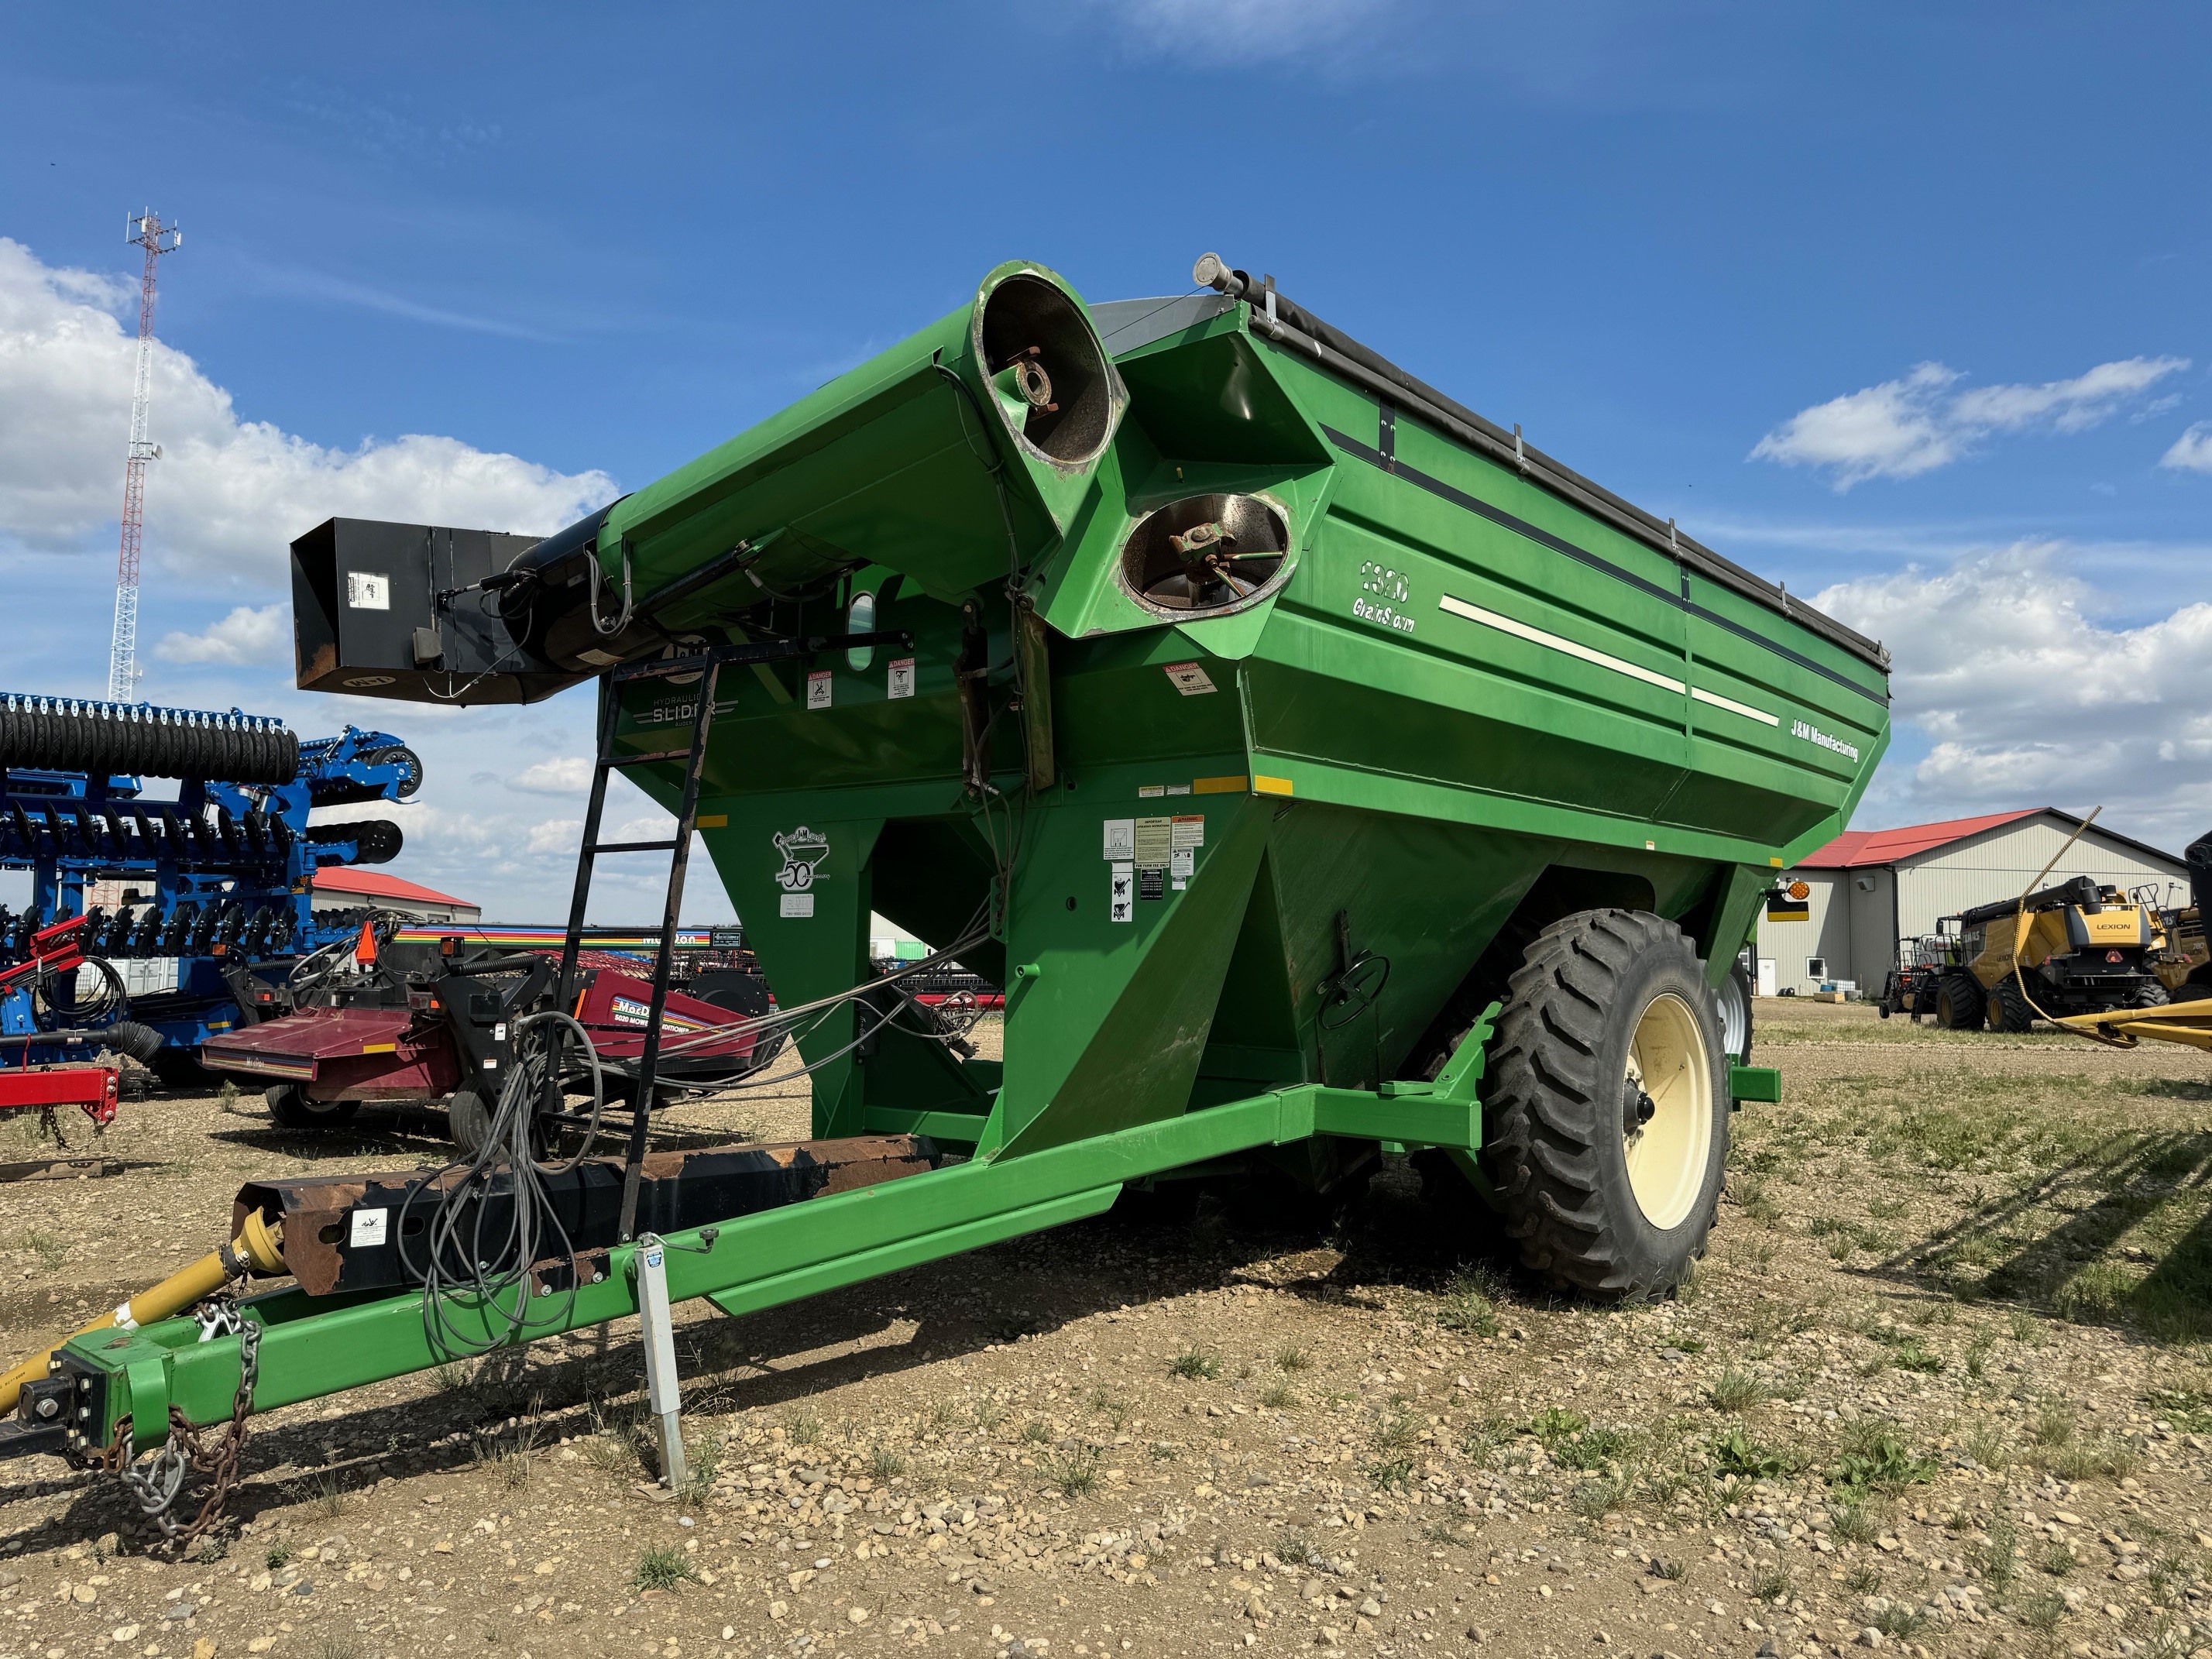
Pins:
x: 492, y: 1274
x: 107, y: 999
x: 474, y: 1278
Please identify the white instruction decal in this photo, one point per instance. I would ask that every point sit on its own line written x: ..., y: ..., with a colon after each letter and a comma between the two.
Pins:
x: 1188, y: 679
x: 367, y: 1228
x: 902, y: 677
x: 817, y: 689
x: 1188, y: 831
x: 1154, y: 840
x: 1122, y: 895
x: 1183, y: 863
x: 366, y: 592
x: 797, y: 904
x: 1122, y: 839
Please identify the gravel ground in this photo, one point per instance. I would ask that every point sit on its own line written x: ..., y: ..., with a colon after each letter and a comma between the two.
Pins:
x: 1942, y: 1387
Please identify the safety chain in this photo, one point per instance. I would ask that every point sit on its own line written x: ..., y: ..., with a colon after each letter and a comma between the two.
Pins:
x: 156, y: 1487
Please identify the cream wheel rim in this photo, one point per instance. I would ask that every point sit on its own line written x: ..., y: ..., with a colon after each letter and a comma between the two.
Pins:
x: 1667, y: 1153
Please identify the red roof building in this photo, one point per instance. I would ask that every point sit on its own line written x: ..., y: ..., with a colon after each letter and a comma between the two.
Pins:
x: 1857, y: 846
x: 1868, y: 888
x: 343, y: 887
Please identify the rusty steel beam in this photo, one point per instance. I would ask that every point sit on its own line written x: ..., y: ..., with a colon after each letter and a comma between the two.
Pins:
x: 346, y: 1233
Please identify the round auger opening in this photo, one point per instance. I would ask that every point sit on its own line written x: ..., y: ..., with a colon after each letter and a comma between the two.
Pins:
x: 1043, y: 357
x: 1205, y: 553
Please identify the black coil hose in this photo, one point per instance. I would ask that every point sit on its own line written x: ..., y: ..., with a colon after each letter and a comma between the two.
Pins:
x: 103, y: 738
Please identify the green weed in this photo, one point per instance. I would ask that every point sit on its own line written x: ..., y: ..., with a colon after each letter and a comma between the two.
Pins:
x: 1074, y: 1470
x: 1914, y: 1355
x: 1469, y: 1303
x: 1875, y: 1459
x: 1998, y: 1560
x: 661, y: 1568
x: 1734, y: 1390
x: 1737, y: 1454
x: 1196, y: 1364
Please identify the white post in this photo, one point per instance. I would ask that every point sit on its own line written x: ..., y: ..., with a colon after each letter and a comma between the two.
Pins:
x: 661, y: 1393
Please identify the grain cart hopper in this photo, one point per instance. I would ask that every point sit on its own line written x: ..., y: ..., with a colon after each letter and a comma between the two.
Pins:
x: 1320, y: 767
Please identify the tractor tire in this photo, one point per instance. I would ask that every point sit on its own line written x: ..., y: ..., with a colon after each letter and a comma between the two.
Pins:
x: 1608, y: 1189
x: 1736, y: 1013
x: 2009, y: 1008
x: 1883, y: 1008
x: 289, y: 1107
x: 2149, y: 994
x: 1959, y: 1002
x: 468, y: 1120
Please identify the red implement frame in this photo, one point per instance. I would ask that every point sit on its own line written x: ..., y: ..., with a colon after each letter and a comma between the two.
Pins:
x: 29, y: 1088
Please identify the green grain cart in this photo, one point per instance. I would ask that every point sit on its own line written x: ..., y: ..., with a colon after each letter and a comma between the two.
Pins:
x: 1321, y: 769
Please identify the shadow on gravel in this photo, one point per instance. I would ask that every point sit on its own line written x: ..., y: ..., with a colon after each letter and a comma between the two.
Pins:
x: 2042, y: 1246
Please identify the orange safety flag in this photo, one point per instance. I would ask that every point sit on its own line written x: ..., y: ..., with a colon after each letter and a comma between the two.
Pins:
x: 364, y: 948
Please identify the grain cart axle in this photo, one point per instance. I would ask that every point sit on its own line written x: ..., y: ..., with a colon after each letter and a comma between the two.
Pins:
x: 1322, y: 769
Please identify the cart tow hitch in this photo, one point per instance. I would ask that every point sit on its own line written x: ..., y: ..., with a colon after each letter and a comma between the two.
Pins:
x: 156, y: 1487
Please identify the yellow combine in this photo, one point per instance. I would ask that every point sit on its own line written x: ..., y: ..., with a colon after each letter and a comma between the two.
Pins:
x: 2184, y: 969
x: 2075, y: 949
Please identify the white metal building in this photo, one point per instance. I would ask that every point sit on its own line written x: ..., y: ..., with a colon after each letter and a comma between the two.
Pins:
x: 1869, y: 888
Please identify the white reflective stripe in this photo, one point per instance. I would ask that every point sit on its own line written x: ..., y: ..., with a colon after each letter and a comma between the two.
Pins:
x: 1521, y: 631
x: 1735, y: 708
x: 124, y: 1322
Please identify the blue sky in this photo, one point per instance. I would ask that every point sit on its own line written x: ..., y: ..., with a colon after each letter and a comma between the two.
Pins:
x: 1711, y: 255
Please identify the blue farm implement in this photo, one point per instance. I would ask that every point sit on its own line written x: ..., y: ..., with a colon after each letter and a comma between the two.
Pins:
x: 215, y: 879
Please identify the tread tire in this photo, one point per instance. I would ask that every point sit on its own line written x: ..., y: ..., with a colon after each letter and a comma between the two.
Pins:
x: 1553, y: 1146
x: 290, y: 1109
x: 2009, y: 1010
x: 1735, y: 1005
x: 467, y: 1119
x: 1959, y: 1002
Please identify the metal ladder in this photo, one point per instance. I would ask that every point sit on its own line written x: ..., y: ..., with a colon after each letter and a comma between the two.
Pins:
x: 709, y: 666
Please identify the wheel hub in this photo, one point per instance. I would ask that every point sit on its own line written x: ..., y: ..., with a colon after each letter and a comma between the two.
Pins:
x: 1636, y: 1108
x: 1666, y: 1111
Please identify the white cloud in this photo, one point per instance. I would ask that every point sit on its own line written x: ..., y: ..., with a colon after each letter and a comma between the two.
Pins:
x: 2030, y: 699
x: 567, y: 774
x: 246, y: 636
x: 558, y: 837
x: 2192, y: 450
x: 229, y: 494
x: 1903, y: 428
x: 1244, y: 31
